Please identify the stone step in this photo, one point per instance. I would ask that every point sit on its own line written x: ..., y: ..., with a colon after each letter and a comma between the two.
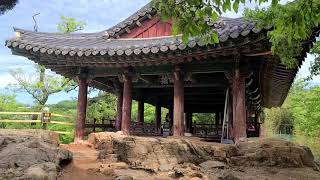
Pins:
x: 110, y: 158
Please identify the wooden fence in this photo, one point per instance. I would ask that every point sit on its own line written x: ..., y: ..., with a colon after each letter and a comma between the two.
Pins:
x: 37, y: 117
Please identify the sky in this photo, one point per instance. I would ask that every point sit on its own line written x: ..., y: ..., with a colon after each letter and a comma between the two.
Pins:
x: 98, y: 15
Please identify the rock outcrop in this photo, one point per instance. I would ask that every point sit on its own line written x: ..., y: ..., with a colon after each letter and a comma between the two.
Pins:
x: 164, y: 154
x: 28, y: 154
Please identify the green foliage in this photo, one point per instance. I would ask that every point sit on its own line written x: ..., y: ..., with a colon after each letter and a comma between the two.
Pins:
x: 104, y: 106
x: 203, y: 118
x: 292, y: 24
x: 64, y: 106
x: 304, y: 103
x: 40, y: 85
x: 70, y: 25
x: 315, y: 65
x: 149, y: 113
x: 9, y: 103
x: 275, y: 117
x: 302, y: 108
x: 194, y: 18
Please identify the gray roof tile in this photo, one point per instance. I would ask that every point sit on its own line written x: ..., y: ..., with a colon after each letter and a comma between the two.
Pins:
x: 90, y: 44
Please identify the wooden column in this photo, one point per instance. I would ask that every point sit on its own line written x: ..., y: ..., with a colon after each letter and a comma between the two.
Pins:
x: 178, y: 107
x: 189, y: 122
x: 158, y: 118
x: 230, y: 116
x: 239, y: 106
x: 140, y: 116
x: 127, y: 105
x: 81, y: 109
x: 217, y: 119
x: 171, y: 117
x: 119, y: 111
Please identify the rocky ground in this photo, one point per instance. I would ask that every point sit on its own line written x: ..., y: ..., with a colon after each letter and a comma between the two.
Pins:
x: 123, y: 157
x: 31, y: 154
x: 35, y: 155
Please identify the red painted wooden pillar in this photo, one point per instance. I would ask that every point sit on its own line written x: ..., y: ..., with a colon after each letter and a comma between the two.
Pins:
x: 171, y: 118
x: 140, y: 116
x: 119, y: 111
x: 158, y: 118
x: 81, y: 109
x: 127, y: 105
x: 230, y: 116
x: 239, y: 107
x: 178, y: 107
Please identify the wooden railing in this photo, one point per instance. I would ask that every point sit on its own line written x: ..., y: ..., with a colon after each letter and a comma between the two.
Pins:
x: 207, y: 130
x: 104, y: 125
x: 36, y: 117
x: 144, y: 129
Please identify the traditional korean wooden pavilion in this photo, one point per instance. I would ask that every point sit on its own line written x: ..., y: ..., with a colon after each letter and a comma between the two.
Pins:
x: 139, y: 59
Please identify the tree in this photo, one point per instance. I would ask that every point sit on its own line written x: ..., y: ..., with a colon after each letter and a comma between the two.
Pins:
x: 70, y: 25
x: 104, y: 106
x: 195, y: 18
x: 303, y: 101
x: 44, y: 84
x: 6, y: 5
x: 9, y: 103
x: 292, y: 23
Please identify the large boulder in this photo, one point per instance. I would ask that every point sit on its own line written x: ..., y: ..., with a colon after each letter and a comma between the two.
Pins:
x: 163, y: 154
x: 272, y: 152
x: 30, y: 155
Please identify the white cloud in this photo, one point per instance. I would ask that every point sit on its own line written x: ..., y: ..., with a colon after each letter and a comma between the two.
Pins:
x: 6, y: 79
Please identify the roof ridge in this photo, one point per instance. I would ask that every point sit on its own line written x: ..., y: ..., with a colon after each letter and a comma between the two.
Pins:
x: 146, y: 12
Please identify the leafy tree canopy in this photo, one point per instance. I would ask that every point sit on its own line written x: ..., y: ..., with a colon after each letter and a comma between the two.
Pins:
x: 9, y: 103
x: 42, y: 84
x: 292, y: 23
x: 70, y: 25
x: 6, y: 5
x: 195, y: 18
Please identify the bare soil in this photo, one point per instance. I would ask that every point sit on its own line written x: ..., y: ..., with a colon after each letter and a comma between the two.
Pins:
x: 84, y: 165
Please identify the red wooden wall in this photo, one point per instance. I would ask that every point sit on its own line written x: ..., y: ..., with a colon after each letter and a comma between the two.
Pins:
x: 150, y: 28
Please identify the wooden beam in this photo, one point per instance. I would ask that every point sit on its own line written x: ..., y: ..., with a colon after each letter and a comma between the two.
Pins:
x: 148, y: 86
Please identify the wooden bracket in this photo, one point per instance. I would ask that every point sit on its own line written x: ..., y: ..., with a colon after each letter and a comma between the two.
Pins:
x: 178, y: 73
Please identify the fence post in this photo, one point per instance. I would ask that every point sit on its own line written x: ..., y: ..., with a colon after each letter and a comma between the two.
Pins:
x: 45, y: 117
x: 94, y: 124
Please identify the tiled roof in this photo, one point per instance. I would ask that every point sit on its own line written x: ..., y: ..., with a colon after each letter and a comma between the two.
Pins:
x: 96, y: 43
x: 144, y: 13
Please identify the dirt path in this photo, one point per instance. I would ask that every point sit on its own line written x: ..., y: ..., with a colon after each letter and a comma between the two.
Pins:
x: 84, y: 165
